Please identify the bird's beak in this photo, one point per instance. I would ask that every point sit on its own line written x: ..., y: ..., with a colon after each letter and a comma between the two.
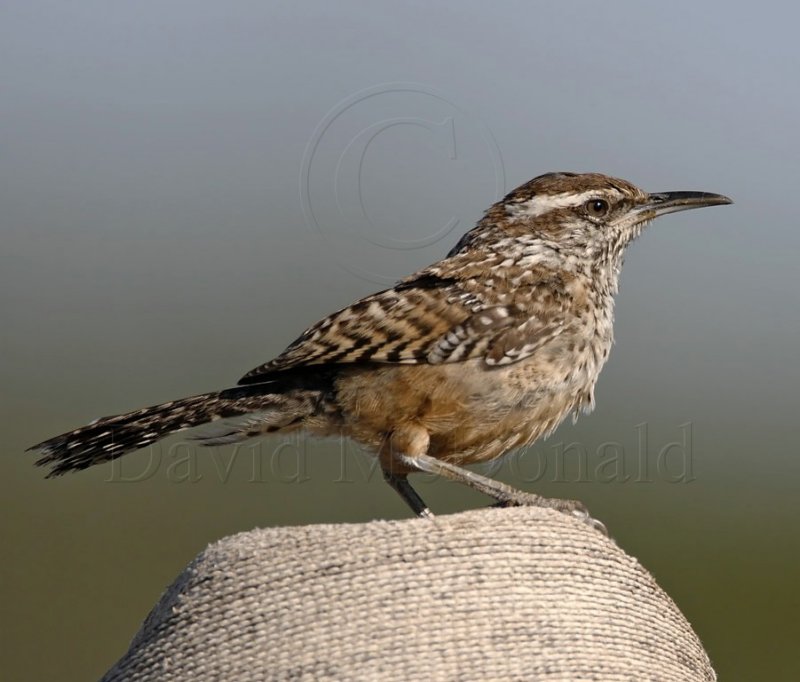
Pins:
x: 661, y: 203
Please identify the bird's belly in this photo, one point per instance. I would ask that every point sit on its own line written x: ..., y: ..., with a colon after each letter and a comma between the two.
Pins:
x: 472, y: 413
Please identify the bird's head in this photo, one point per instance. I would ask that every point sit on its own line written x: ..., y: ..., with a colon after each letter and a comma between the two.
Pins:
x: 589, y: 214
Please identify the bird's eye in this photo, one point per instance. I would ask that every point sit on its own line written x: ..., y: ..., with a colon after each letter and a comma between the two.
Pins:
x: 597, y: 208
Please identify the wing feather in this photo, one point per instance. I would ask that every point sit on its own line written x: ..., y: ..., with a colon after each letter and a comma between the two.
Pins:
x: 423, y: 320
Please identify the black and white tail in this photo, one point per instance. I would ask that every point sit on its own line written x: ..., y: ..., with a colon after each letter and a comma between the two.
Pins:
x: 107, y: 438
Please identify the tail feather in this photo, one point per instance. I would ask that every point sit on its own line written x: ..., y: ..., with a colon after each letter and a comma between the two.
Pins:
x: 111, y: 437
x: 247, y: 426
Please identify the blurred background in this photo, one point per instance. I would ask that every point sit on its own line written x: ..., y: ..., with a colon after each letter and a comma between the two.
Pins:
x: 185, y: 186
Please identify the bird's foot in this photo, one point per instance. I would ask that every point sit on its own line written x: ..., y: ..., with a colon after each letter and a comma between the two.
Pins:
x: 572, y: 507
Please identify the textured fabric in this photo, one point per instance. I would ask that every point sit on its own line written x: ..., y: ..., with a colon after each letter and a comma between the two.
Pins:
x: 495, y: 594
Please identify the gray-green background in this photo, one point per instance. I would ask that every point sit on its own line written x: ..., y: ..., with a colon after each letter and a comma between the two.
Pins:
x: 154, y: 244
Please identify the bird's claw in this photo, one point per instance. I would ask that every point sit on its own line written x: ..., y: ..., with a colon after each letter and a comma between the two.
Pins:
x: 584, y: 516
x: 571, y: 507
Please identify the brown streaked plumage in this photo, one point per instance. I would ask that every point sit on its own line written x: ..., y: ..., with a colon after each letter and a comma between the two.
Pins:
x: 481, y: 352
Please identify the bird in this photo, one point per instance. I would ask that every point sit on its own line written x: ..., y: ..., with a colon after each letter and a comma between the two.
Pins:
x: 482, y: 352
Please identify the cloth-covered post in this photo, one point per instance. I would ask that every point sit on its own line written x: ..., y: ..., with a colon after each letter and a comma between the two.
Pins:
x: 494, y: 594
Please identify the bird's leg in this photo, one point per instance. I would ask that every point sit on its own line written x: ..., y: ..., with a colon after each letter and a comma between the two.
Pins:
x: 503, y: 493
x: 400, y: 484
x: 413, y: 440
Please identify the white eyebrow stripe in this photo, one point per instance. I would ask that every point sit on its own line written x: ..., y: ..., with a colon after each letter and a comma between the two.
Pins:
x: 541, y: 204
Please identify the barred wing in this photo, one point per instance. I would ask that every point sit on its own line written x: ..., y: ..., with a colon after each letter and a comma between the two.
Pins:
x: 427, y: 320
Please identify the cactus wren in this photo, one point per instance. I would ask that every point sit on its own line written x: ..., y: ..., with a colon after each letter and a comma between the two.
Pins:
x: 484, y: 351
